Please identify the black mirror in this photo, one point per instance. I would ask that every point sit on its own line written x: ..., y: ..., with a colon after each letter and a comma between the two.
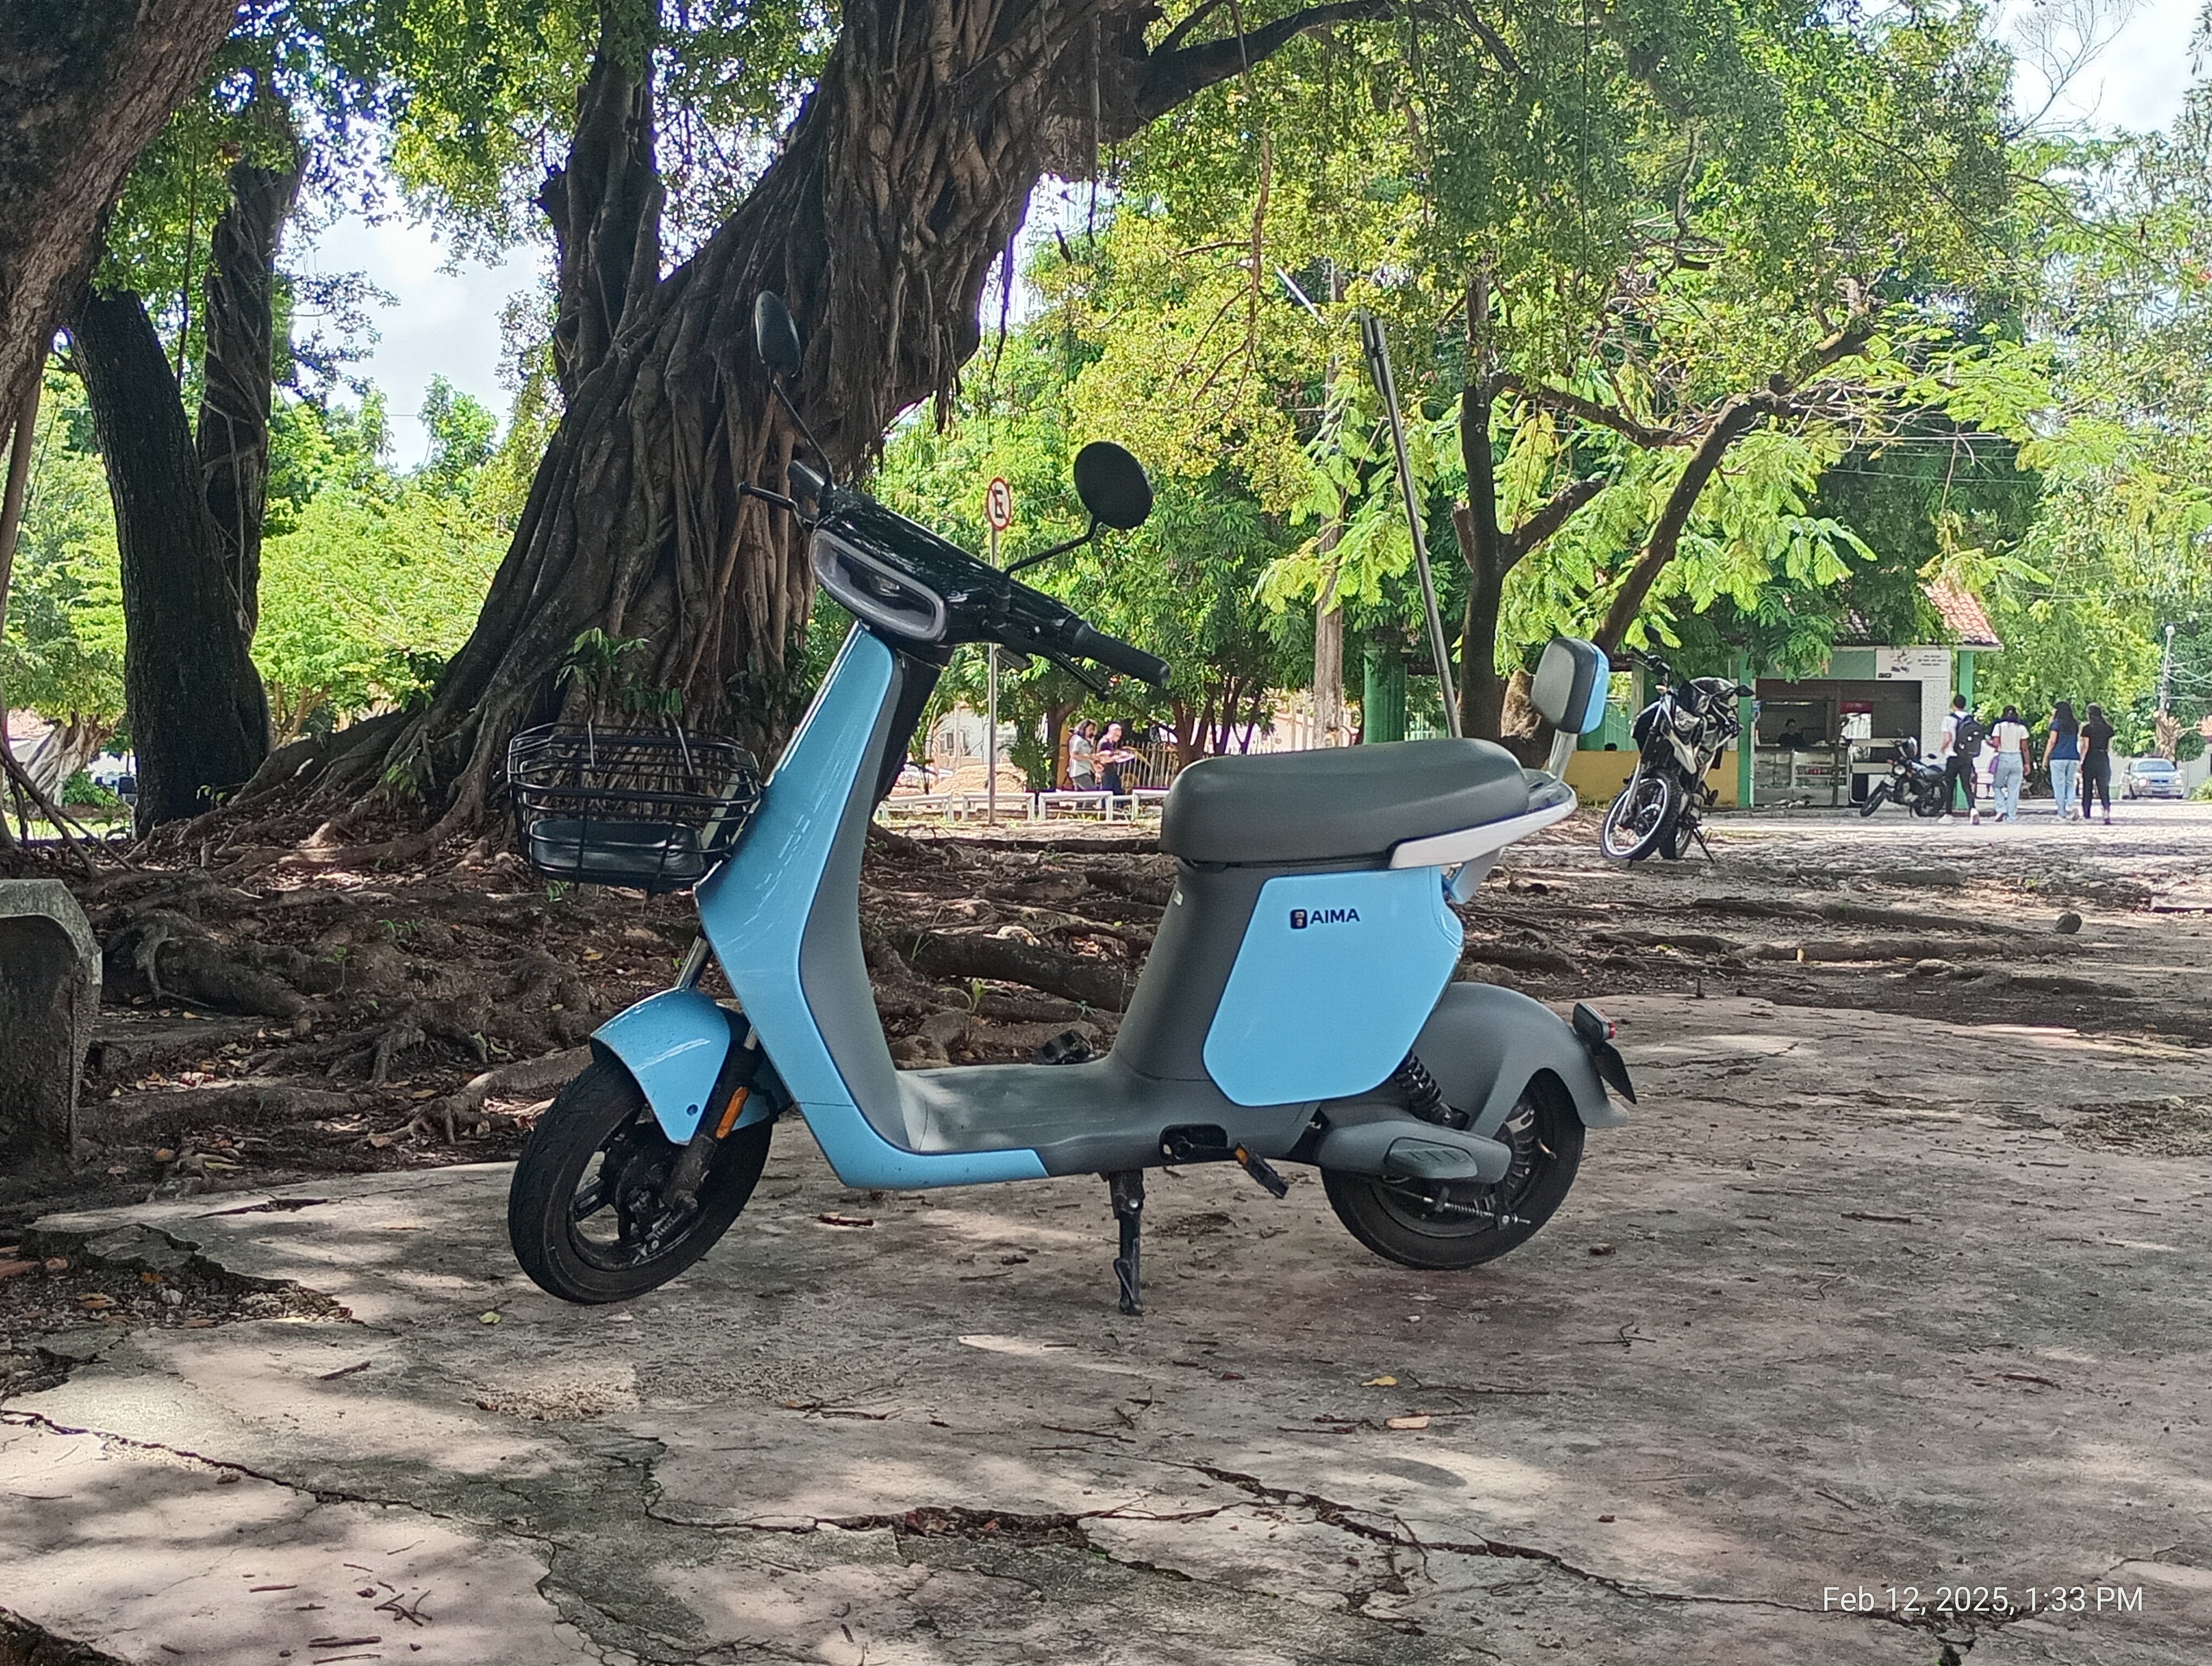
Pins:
x: 775, y: 336
x: 1112, y: 485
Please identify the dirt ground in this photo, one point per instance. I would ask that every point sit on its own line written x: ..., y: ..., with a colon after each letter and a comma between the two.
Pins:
x: 1895, y: 1282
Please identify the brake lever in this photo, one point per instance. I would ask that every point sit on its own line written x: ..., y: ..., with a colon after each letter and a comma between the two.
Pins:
x: 1082, y: 674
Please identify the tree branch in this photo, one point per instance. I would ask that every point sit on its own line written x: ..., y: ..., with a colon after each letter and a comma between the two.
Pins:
x: 1531, y: 533
x: 1573, y: 404
x: 1170, y: 77
x: 1735, y: 419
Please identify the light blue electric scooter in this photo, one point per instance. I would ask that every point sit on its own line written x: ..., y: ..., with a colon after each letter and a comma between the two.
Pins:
x: 1296, y: 1007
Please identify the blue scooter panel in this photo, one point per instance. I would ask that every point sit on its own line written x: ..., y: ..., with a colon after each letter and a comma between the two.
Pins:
x: 1335, y: 976
x: 755, y: 909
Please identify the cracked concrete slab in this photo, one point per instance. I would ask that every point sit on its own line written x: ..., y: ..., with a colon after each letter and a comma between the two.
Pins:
x: 1866, y: 1317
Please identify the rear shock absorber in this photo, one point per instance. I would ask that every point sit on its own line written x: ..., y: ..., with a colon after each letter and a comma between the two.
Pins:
x: 1423, y: 1096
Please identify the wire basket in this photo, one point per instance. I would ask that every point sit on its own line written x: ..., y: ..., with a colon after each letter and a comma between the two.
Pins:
x: 656, y: 809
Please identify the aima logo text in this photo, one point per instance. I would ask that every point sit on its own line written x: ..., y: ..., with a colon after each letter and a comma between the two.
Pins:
x: 1301, y: 918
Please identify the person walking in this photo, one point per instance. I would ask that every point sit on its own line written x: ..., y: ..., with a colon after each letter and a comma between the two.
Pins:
x: 1112, y: 754
x: 1082, y: 749
x: 2010, y: 741
x: 1960, y: 747
x: 2062, y: 755
x: 2096, y: 762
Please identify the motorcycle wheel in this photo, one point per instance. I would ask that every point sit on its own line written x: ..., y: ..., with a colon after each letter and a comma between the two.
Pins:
x: 1640, y: 818
x: 1928, y: 805
x: 1452, y: 1225
x: 1875, y: 799
x: 585, y: 1213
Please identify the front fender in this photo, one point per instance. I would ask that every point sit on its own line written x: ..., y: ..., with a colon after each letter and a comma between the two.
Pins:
x: 673, y: 1045
x: 1483, y: 1044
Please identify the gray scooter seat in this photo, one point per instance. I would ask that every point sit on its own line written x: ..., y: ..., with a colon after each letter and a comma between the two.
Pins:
x: 1355, y: 801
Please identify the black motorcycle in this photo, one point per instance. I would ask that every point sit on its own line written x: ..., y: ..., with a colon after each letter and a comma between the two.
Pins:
x: 1679, y: 737
x: 1916, y: 782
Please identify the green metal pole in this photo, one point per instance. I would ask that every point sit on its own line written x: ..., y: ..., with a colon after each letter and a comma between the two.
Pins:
x: 1967, y: 674
x: 1744, y: 738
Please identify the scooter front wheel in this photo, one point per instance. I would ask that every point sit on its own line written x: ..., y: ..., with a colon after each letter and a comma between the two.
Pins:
x: 586, y: 1213
x: 1440, y: 1224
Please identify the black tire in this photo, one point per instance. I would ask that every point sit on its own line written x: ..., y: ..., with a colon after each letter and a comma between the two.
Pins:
x: 1875, y: 799
x: 1641, y: 816
x: 1433, y: 1225
x: 601, y: 1134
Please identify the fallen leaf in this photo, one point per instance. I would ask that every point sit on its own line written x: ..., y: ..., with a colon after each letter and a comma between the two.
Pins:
x: 488, y: 1318
x: 57, y: 1264
x: 9, y: 1270
x: 165, y: 1155
x: 118, y: 1169
x: 1605, y: 1518
x: 1420, y: 1420
x: 149, y: 1276
x: 847, y: 1220
x: 593, y: 954
x: 201, y: 1323
x: 1380, y: 1382
x: 1601, y: 1248
x: 228, y: 1478
x: 95, y: 1300
x: 379, y: 1141
x: 424, y: 1093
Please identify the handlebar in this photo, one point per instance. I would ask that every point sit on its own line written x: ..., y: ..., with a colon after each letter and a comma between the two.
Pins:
x: 1115, y: 654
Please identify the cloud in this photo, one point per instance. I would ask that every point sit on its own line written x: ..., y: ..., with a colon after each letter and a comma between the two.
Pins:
x: 442, y: 322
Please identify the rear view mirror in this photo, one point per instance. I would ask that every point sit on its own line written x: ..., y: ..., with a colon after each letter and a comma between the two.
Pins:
x: 1112, y: 485
x: 775, y: 336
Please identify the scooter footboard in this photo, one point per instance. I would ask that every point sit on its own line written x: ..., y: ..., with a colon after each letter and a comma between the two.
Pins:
x: 1484, y: 1045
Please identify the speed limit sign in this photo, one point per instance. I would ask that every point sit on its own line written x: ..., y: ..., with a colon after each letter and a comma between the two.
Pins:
x: 998, y: 504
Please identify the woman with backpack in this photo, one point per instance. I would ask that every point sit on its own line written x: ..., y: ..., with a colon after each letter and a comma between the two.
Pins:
x: 2062, y: 755
x: 2010, y: 741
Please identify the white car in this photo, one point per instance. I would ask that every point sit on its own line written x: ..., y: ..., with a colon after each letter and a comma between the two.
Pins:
x: 2151, y: 778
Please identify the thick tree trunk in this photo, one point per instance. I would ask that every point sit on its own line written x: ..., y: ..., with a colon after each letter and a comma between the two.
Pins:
x: 233, y: 426
x: 84, y: 84
x: 605, y: 204
x: 899, y: 185
x: 198, y: 718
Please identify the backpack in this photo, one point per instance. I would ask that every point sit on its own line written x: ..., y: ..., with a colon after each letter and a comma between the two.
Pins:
x: 1966, y: 740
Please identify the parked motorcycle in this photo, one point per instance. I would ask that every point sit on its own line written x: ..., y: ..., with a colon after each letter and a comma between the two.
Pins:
x: 1679, y: 737
x: 1297, y: 1005
x: 1918, y: 783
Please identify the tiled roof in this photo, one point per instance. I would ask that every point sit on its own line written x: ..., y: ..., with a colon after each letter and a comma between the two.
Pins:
x: 1963, y: 618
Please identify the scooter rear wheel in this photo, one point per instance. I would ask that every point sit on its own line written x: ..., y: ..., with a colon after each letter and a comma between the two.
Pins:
x: 584, y: 1212
x: 1435, y: 1225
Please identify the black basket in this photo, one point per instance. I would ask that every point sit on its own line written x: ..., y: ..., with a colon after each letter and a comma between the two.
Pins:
x: 656, y: 809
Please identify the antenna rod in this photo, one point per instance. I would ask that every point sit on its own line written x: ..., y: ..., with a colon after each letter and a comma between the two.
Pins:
x: 1377, y: 350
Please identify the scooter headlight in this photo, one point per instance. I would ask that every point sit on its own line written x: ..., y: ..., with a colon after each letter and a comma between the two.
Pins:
x: 873, y: 590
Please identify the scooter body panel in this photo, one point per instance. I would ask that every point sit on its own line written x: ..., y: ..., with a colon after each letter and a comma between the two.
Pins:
x: 1484, y: 1045
x: 763, y: 911
x: 1335, y: 974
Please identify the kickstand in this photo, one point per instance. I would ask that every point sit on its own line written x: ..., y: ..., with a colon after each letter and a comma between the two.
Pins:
x: 1127, y: 1186
x: 1698, y: 833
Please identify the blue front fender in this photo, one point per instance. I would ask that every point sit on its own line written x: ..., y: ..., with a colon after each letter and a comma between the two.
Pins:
x: 673, y: 1044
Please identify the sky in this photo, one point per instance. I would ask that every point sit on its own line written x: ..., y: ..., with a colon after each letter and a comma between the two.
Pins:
x: 444, y: 317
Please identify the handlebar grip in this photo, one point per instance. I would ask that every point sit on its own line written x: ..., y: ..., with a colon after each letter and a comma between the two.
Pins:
x: 1117, y: 655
